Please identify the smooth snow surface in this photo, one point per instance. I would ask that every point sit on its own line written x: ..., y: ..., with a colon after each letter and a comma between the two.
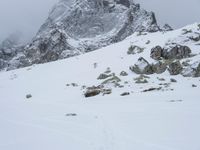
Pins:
x: 59, y: 117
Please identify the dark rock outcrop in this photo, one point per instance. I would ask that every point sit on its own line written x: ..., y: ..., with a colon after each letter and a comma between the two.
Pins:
x: 156, y: 53
x: 123, y: 73
x: 142, y: 67
x: 173, y: 52
x: 125, y: 94
x: 103, y: 76
x: 92, y: 91
x: 177, y: 52
x: 175, y: 68
x: 159, y: 67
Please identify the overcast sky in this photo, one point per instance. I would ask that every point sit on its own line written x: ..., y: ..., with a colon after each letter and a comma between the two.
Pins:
x: 28, y: 15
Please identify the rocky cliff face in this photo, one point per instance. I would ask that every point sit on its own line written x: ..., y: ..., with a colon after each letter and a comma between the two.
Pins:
x: 78, y: 26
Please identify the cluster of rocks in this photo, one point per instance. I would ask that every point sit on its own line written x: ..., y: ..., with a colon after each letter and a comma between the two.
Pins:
x: 174, y: 52
x: 133, y: 49
x: 167, y: 59
x: 109, y: 80
x: 96, y: 90
x: 142, y: 79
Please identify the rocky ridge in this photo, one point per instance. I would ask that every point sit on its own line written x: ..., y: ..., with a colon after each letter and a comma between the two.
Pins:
x: 78, y: 26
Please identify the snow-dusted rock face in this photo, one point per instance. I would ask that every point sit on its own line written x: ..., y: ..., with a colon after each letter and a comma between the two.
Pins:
x: 12, y: 52
x: 78, y: 26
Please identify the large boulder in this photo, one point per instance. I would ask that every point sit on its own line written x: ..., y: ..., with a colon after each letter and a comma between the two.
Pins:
x: 133, y: 49
x: 171, y: 52
x: 142, y: 67
x: 188, y: 71
x: 195, y: 37
x: 159, y: 67
x: 175, y: 68
x: 92, y: 91
x: 191, y: 70
x: 176, y: 52
x: 103, y: 76
x: 156, y: 52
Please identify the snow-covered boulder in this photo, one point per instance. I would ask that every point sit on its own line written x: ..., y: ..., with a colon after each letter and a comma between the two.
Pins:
x: 142, y: 67
x: 176, y: 52
x: 156, y: 53
x: 175, y: 68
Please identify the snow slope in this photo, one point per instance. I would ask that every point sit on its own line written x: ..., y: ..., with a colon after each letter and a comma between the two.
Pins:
x: 60, y: 117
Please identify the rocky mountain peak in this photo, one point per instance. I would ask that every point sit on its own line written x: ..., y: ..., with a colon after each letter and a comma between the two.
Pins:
x: 74, y: 27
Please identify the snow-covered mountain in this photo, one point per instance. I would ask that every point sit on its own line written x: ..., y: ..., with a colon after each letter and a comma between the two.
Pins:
x: 78, y: 26
x: 141, y: 93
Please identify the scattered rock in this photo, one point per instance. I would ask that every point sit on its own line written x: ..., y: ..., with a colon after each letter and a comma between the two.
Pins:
x: 166, y: 85
x: 71, y: 115
x: 173, y: 80
x: 161, y: 79
x: 114, y: 79
x: 193, y: 85
x: 141, y: 79
x: 119, y: 86
x: 175, y: 68
x: 74, y: 84
x: 142, y: 67
x: 96, y: 90
x: 195, y: 37
x: 92, y: 91
x: 83, y: 87
x: 28, y: 96
x: 125, y: 94
x: 103, y: 76
x: 186, y: 31
x: 148, y: 42
x: 135, y: 50
x: 198, y: 26
x: 126, y: 82
x: 108, y: 70
x: 159, y: 67
x: 176, y: 101
x: 106, y: 91
x: 140, y: 33
x: 123, y: 73
x: 152, y: 89
x: 95, y: 65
